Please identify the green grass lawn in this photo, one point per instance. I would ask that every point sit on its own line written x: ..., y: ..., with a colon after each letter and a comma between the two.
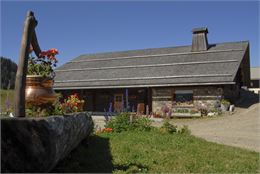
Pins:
x: 4, y: 94
x: 153, y: 152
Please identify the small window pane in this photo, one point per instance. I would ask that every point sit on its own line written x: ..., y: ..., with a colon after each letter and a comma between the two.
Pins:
x: 183, y: 97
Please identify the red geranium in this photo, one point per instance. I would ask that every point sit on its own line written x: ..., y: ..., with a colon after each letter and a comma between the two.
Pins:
x: 72, y: 104
x: 108, y: 129
x: 44, y: 64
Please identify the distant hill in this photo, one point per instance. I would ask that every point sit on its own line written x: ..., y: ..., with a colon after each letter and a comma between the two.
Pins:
x: 8, y: 73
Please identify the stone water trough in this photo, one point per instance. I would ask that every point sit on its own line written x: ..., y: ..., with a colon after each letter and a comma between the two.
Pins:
x: 37, y: 144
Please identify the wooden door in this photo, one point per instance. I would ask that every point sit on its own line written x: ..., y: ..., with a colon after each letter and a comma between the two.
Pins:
x: 118, y: 102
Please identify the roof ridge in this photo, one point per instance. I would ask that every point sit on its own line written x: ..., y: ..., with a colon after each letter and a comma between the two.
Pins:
x: 152, y: 55
x: 155, y: 48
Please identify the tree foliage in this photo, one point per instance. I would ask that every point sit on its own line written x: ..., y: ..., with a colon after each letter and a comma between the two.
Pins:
x: 8, y: 73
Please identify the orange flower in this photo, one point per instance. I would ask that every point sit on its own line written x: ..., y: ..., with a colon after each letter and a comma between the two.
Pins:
x: 107, y: 129
x: 53, y: 51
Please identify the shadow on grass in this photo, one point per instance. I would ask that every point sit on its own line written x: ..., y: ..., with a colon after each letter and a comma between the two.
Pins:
x: 91, y: 156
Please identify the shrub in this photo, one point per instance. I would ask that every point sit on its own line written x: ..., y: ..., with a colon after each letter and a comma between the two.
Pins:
x: 122, y: 123
x: 216, y: 110
x: 167, y: 127
x: 142, y: 124
x: 225, y: 102
x: 184, y: 130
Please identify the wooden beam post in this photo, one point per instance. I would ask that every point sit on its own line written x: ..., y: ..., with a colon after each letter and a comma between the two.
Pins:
x: 94, y: 100
x: 149, y: 99
x: 35, y: 45
x: 20, y: 82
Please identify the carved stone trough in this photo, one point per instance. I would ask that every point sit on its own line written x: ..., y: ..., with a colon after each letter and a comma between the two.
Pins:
x: 37, y: 144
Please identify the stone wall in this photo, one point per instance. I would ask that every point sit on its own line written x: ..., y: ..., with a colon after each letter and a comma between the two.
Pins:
x: 208, y: 96
x: 37, y: 144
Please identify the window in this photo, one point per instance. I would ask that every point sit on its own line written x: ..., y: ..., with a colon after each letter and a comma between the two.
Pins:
x: 183, y: 97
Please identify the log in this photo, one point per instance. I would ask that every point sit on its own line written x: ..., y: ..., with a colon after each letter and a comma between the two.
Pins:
x: 20, y: 82
x: 37, y: 144
x: 35, y: 45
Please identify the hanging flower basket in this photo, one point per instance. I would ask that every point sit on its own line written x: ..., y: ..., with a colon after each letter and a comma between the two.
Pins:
x: 39, y: 90
x: 39, y: 81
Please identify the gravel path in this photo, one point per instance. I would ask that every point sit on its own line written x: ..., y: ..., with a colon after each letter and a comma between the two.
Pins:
x: 242, y: 129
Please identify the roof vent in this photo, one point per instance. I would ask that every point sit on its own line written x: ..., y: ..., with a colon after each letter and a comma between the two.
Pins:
x: 199, y: 39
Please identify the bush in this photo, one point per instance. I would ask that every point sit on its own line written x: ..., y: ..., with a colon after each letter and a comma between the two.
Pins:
x: 216, y: 110
x: 122, y: 123
x: 225, y: 102
x: 167, y: 127
x: 184, y: 130
x: 142, y: 124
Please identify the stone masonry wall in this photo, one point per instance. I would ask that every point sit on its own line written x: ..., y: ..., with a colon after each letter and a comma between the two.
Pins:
x: 206, y: 96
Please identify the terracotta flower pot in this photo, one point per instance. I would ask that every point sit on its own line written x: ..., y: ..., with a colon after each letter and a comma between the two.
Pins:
x: 39, y: 90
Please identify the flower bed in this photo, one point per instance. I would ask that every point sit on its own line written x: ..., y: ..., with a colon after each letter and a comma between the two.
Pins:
x: 188, y: 114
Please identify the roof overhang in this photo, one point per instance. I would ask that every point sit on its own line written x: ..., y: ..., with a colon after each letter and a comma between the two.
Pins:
x: 140, y: 86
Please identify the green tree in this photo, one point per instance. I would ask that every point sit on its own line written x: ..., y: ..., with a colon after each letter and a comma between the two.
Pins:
x: 8, y: 73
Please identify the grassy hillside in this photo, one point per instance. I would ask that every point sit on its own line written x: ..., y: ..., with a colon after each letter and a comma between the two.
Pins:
x: 7, y: 98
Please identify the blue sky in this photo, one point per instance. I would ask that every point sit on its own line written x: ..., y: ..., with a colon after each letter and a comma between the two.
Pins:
x: 84, y: 27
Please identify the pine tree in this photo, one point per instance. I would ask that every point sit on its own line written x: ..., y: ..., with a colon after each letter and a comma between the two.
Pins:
x: 8, y: 73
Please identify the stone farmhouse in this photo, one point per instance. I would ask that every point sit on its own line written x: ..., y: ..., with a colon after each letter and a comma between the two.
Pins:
x: 147, y: 80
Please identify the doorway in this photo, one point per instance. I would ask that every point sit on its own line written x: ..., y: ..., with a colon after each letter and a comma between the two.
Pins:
x: 118, y: 102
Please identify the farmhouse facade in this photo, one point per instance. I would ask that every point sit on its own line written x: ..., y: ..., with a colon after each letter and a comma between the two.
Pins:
x: 255, y: 80
x: 148, y: 80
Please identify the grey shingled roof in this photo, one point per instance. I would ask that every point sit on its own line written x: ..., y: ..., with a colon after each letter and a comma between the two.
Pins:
x: 171, y: 66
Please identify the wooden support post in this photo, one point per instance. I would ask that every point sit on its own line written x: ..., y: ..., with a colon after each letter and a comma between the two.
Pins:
x: 20, y: 82
x: 94, y: 100
x: 35, y: 45
x: 149, y: 99
x: 126, y: 99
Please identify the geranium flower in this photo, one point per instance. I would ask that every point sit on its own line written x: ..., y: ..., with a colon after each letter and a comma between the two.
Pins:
x: 53, y: 51
x: 107, y: 129
x: 44, y: 64
x: 74, y: 104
